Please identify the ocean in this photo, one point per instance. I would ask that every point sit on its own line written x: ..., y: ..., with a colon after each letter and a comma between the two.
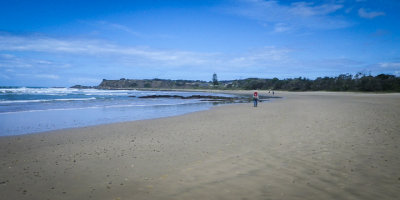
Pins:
x: 25, y: 110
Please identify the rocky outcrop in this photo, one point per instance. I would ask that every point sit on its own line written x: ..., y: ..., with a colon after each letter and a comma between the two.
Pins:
x: 83, y: 87
x: 202, y: 98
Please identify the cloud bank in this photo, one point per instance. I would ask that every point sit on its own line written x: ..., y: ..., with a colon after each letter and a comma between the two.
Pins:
x: 95, y: 48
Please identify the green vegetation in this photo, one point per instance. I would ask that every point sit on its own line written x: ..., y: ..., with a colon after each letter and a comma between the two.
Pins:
x: 343, y: 82
x: 151, y: 84
x: 215, y: 79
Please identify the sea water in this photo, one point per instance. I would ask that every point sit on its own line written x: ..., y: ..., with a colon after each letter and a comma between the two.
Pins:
x: 26, y: 110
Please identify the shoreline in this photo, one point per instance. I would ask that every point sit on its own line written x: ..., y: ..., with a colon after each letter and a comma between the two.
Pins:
x: 42, y: 117
x: 233, y: 92
x: 306, y: 146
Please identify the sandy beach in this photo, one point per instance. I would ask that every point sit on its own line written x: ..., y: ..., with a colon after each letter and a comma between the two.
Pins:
x: 311, y: 145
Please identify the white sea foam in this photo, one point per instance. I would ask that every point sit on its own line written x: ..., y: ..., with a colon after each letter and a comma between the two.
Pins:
x: 30, y: 100
x: 63, y: 91
x: 26, y: 90
x: 45, y: 100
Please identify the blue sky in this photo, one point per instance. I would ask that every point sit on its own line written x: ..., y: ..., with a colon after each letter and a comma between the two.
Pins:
x: 68, y: 42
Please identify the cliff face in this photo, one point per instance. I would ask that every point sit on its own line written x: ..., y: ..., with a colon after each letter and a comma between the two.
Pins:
x: 155, y: 83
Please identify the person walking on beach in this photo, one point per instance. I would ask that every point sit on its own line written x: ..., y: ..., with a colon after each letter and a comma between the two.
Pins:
x: 255, y: 98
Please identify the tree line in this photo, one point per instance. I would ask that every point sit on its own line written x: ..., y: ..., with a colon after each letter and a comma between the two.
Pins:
x: 343, y: 82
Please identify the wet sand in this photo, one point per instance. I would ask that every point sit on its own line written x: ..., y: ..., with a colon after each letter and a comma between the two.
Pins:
x: 312, y: 145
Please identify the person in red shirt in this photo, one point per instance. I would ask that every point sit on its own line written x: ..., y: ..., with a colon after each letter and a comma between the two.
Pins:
x: 255, y: 98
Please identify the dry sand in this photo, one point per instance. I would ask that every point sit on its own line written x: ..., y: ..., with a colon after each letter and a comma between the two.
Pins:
x: 313, y: 145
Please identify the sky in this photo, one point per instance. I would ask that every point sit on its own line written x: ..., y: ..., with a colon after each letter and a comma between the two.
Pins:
x: 67, y: 42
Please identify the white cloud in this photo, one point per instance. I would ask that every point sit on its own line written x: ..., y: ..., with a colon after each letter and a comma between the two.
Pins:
x: 8, y: 61
x: 329, y: 66
x: 281, y: 27
x: 384, y: 67
x: 117, y: 27
x: 369, y: 15
x: 264, y: 56
x: 97, y: 48
x: 394, y: 65
x: 47, y: 76
x: 110, y: 58
x: 39, y: 76
x: 297, y: 15
x: 308, y: 10
x: 6, y: 56
x: 120, y: 27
